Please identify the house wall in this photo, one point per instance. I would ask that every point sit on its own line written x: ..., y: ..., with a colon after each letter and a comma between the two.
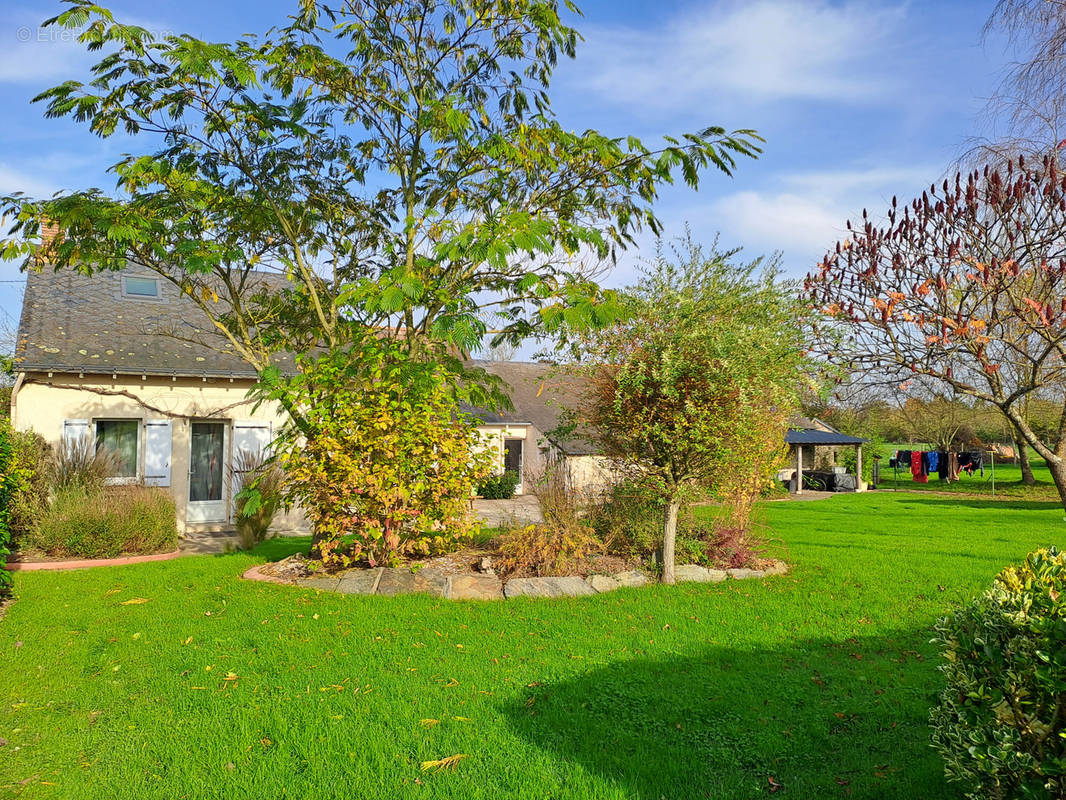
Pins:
x: 43, y: 403
x: 533, y: 455
x: 590, y: 473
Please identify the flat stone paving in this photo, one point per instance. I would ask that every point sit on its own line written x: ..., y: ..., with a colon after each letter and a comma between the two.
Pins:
x: 403, y: 580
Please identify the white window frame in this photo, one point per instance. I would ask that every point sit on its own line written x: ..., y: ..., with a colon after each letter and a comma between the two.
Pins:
x: 150, y: 298
x: 139, y: 476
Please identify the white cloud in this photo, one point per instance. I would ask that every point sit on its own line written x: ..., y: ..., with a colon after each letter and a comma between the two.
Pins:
x: 758, y: 51
x: 803, y: 214
x: 35, y: 184
x: 33, y: 54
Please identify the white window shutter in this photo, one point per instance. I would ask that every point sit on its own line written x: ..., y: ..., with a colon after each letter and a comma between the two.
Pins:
x: 74, y: 431
x: 252, y: 436
x: 158, y: 447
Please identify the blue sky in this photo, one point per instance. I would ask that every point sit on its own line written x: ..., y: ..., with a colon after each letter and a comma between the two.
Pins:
x: 857, y: 101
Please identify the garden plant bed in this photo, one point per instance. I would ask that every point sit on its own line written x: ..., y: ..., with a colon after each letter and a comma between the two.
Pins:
x: 452, y: 583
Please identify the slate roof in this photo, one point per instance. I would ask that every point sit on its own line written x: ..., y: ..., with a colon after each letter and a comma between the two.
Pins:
x: 80, y: 323
x: 816, y: 437
x: 540, y: 394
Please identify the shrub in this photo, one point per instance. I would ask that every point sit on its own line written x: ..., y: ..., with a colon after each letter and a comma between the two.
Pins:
x: 108, y: 522
x: 258, y: 498
x: 9, y: 481
x: 385, y: 461
x: 499, y: 487
x: 542, y: 549
x: 30, y: 500
x: 78, y: 464
x: 558, y: 544
x: 1001, y: 721
x: 629, y: 520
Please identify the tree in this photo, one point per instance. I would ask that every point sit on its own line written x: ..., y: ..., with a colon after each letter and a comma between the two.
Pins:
x: 391, y: 463
x: 1027, y: 113
x: 691, y: 390
x: 390, y: 166
x: 966, y: 286
x: 396, y: 164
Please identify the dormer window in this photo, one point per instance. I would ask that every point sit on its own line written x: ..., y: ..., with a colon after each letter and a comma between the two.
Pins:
x: 141, y: 287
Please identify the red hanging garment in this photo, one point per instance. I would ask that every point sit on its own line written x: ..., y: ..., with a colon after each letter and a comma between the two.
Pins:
x: 916, y: 467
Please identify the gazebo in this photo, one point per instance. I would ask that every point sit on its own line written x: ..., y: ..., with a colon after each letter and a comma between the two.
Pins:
x: 815, y: 434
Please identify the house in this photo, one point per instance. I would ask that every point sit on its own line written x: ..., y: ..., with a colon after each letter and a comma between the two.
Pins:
x: 534, y: 432
x: 123, y: 358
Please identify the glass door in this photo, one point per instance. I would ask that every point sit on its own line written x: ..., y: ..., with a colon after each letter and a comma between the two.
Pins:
x: 512, y: 459
x: 207, y: 461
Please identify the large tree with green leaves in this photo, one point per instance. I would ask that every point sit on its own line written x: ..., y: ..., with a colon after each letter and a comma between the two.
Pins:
x: 397, y: 162
x: 692, y: 388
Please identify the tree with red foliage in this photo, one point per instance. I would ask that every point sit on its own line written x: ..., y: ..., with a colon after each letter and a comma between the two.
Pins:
x: 966, y: 285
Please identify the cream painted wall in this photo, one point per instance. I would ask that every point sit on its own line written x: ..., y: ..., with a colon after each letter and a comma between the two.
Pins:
x: 532, y: 456
x: 43, y: 403
x: 590, y: 473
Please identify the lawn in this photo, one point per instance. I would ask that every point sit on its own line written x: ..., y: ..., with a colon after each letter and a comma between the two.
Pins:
x: 179, y: 680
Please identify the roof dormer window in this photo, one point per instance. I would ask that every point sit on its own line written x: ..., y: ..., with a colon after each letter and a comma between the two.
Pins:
x: 140, y: 287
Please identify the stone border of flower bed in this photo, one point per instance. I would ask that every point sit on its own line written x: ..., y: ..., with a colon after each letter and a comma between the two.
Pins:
x: 86, y: 563
x: 404, y: 580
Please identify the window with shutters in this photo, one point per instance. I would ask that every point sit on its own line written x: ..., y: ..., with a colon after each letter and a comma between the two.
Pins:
x: 122, y: 437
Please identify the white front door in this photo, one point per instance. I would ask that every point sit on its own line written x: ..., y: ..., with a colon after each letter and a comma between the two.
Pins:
x: 207, y: 472
x: 513, y: 460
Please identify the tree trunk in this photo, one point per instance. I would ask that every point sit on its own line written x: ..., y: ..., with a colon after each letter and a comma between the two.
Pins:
x: 1021, y: 450
x: 1058, y: 474
x: 670, y: 540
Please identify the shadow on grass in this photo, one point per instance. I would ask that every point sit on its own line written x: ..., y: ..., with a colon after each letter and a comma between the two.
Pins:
x: 274, y: 549
x: 818, y: 719
x: 1000, y: 505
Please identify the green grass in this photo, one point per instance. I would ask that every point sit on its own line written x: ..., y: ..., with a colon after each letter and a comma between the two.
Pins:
x: 1008, y: 479
x: 820, y: 680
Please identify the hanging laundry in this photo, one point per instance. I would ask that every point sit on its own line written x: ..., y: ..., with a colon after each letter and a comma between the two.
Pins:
x: 953, y: 466
x: 942, y: 465
x: 934, y: 461
x: 916, y: 467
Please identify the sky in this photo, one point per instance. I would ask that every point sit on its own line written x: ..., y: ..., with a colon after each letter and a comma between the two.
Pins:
x: 858, y: 100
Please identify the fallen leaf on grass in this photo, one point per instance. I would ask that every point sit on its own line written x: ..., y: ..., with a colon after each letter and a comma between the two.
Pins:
x: 136, y: 601
x: 429, y: 723
x: 449, y: 763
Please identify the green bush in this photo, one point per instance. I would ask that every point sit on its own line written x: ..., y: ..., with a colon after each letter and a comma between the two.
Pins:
x: 499, y: 487
x: 79, y: 464
x: 104, y: 523
x: 258, y: 499
x: 629, y: 520
x: 1001, y: 721
x: 9, y: 481
x: 30, y: 500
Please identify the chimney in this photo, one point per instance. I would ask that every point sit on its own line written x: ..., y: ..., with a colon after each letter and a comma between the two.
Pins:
x: 50, y: 234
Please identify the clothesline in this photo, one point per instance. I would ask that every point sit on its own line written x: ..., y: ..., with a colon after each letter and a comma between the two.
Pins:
x: 947, y: 465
